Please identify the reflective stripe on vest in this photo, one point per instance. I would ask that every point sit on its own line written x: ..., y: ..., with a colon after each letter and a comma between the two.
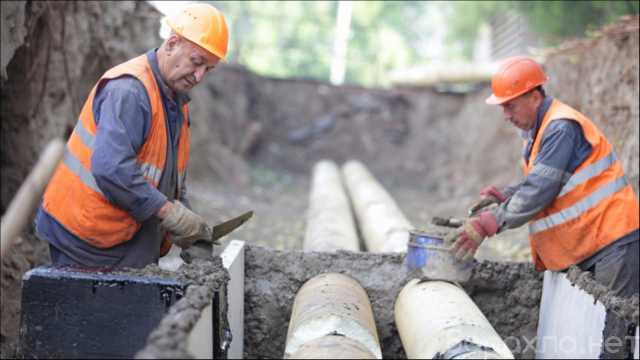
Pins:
x: 72, y: 196
x: 74, y: 163
x: 87, y: 138
x: 589, y: 172
x: 76, y: 167
x: 595, y: 206
x: 149, y: 171
x: 579, y: 208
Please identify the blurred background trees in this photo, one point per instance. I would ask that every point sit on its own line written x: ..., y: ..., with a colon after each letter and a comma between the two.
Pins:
x: 551, y: 21
x: 295, y: 38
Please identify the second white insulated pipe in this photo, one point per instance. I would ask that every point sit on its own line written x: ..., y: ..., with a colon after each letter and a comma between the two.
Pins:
x: 437, y: 319
x: 383, y: 225
x: 434, y: 318
x: 330, y: 223
x: 332, y: 319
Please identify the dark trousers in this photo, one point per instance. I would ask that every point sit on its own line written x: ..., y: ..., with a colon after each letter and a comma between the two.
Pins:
x: 59, y: 259
x: 620, y: 272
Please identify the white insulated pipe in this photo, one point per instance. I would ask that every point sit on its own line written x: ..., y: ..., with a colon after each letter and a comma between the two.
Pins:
x: 332, y: 347
x: 438, y: 319
x: 383, y: 225
x: 435, y: 319
x: 332, y: 318
x: 330, y: 223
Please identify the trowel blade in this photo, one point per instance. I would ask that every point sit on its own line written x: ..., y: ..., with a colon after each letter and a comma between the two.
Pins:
x: 228, y: 226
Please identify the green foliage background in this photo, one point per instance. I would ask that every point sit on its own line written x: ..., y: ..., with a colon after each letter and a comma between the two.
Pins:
x: 295, y: 38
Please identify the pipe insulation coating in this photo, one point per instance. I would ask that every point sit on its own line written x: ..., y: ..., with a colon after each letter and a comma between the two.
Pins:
x: 332, y: 347
x: 332, y: 318
x: 330, y: 223
x: 437, y: 319
x: 383, y: 225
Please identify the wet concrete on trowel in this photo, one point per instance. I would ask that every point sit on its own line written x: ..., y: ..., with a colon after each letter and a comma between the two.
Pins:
x: 203, y: 278
x: 507, y: 293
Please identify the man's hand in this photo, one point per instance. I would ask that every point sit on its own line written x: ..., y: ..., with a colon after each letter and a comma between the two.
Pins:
x: 184, y: 225
x: 468, y: 238
x: 489, y: 195
x: 199, y: 250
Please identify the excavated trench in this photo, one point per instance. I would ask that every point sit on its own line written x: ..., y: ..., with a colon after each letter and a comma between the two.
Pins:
x: 169, y: 339
x: 406, y: 136
x: 507, y: 293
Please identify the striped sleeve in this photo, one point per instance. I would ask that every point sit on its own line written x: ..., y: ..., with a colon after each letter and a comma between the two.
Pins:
x: 563, y: 148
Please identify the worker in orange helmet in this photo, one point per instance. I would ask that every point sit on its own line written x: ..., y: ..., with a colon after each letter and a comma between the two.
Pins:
x: 575, y: 196
x: 118, y: 199
x: 579, y: 205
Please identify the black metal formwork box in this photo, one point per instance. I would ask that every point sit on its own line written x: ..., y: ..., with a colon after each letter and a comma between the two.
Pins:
x: 72, y: 313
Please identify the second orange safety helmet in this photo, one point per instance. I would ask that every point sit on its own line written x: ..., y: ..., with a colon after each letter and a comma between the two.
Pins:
x: 203, y: 25
x: 516, y: 76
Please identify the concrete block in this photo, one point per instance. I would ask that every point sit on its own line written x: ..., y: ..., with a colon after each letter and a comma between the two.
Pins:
x: 233, y: 261
x: 69, y: 313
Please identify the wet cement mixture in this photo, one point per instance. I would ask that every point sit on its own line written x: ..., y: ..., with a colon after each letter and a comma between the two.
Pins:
x: 625, y: 308
x: 203, y: 278
x: 507, y: 293
x: 410, y: 139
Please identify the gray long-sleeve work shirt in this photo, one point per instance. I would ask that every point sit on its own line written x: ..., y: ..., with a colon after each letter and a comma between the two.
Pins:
x: 122, y: 111
x: 563, y: 148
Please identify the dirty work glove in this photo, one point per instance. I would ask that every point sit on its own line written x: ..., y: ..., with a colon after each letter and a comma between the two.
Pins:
x: 468, y: 238
x: 184, y: 225
x: 489, y: 195
x: 200, y: 249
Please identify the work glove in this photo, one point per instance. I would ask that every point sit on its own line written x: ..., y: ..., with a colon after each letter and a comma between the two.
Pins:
x: 184, y: 225
x: 200, y: 249
x: 489, y: 195
x: 468, y: 238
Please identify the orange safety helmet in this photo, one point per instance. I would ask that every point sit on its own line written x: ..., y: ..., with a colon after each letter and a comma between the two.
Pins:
x: 203, y: 25
x: 516, y: 76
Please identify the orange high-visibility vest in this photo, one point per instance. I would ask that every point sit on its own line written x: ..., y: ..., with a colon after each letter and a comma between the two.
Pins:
x: 73, y: 197
x: 595, y: 207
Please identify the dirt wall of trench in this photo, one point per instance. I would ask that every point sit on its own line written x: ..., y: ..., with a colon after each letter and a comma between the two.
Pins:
x: 600, y: 76
x: 443, y: 146
x: 52, y: 54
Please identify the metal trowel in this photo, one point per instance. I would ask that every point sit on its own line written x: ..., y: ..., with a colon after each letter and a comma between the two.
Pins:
x: 228, y: 226
x: 203, y: 249
x: 430, y: 257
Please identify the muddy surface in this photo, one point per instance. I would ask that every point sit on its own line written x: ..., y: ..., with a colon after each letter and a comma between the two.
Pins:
x: 28, y: 253
x: 627, y: 309
x: 599, y: 76
x: 169, y: 339
x: 507, y: 293
x: 52, y: 54
x: 433, y: 152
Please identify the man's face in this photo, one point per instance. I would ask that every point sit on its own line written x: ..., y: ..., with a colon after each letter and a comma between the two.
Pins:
x: 522, y: 111
x: 187, y: 64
